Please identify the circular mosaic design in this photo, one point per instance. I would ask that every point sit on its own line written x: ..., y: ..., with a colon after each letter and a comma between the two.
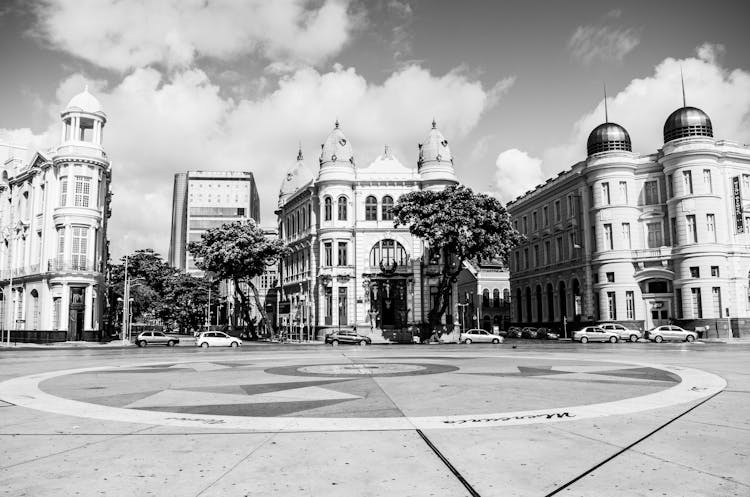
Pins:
x: 369, y: 394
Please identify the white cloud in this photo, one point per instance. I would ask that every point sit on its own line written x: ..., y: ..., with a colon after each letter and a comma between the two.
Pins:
x: 127, y: 34
x: 603, y: 42
x: 515, y: 173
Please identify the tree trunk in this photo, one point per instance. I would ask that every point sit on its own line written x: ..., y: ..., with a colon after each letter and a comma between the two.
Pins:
x: 245, y: 307
x: 263, y: 316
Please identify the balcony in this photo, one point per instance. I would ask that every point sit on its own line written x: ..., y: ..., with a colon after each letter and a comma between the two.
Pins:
x: 652, y: 254
x: 73, y: 265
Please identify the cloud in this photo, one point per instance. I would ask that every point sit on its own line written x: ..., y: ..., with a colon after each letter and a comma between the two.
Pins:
x: 159, y: 125
x: 128, y: 34
x: 515, y: 173
x: 603, y: 41
x: 643, y: 106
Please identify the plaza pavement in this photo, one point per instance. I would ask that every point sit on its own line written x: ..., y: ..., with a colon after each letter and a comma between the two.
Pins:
x: 539, y: 419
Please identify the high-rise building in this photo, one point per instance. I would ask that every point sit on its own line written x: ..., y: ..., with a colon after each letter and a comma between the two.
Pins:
x: 53, y: 222
x: 207, y: 199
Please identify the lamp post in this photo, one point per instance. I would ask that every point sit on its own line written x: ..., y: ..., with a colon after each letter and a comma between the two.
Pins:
x: 463, y: 312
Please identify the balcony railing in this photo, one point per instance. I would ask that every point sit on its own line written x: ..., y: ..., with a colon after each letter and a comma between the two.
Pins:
x: 653, y: 253
x: 73, y: 265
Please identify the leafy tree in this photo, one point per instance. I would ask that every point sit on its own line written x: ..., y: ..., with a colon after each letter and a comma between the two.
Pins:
x: 459, y: 225
x: 239, y: 251
x: 185, y: 300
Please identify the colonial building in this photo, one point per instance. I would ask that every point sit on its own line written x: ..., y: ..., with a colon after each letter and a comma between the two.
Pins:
x: 349, y: 266
x: 484, y: 295
x: 53, y: 213
x: 645, y: 239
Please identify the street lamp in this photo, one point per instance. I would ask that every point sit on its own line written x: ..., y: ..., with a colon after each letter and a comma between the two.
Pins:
x: 463, y: 312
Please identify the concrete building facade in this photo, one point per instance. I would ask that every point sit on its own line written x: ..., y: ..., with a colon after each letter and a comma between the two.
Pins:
x: 643, y: 239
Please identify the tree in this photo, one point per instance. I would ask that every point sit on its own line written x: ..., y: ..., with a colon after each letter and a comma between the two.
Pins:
x: 185, y: 300
x: 459, y: 225
x: 239, y: 251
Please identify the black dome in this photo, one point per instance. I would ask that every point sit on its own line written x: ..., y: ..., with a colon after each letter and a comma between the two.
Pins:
x: 608, y: 137
x: 687, y: 121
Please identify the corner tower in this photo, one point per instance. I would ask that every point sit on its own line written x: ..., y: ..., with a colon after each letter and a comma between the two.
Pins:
x: 435, y: 162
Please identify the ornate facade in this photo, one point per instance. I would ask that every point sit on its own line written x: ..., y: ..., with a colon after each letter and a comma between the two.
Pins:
x: 53, y: 213
x: 349, y: 266
x: 641, y: 238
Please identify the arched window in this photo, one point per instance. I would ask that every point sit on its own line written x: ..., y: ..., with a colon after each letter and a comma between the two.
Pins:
x: 328, y: 209
x: 389, y: 252
x: 387, y: 209
x: 485, y: 298
x: 496, y: 297
x: 371, y: 208
x: 342, y: 208
x: 506, y: 295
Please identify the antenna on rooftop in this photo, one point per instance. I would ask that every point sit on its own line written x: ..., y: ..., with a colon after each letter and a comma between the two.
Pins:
x: 682, y: 79
x: 606, y: 112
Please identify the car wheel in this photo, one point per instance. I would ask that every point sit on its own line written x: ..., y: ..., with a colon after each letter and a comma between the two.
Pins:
x: 612, y: 339
x: 467, y: 341
x: 170, y: 343
x: 204, y: 345
x: 142, y: 343
x: 658, y: 339
x: 584, y: 339
x: 234, y: 345
x: 362, y: 343
x: 495, y: 341
x: 334, y: 343
x: 633, y: 338
x: 690, y: 338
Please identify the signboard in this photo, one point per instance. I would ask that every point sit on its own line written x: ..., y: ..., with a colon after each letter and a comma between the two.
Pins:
x: 284, y: 307
x: 737, y: 192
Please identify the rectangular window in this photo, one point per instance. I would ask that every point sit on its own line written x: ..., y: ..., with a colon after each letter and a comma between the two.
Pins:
x: 624, y: 191
x: 328, y: 256
x: 678, y: 304
x: 573, y: 244
x: 653, y: 235
x: 716, y: 295
x: 536, y: 255
x: 547, y: 252
x: 534, y: 225
x: 608, y: 243
x: 515, y: 225
x: 82, y: 191
x: 711, y: 227
x: 526, y: 258
x: 525, y: 223
x: 707, y: 181
x: 715, y: 271
x: 329, y: 305
x: 61, y: 244
x: 695, y: 272
x: 518, y: 260
x: 697, y: 303
x: 611, y: 305
x: 571, y: 206
x: 596, y: 307
x: 651, y: 192
x: 342, y: 254
x: 559, y: 249
x: 343, y: 306
x: 687, y: 178
x: 626, y: 234
x: 670, y: 190
x: 610, y: 277
x: 56, y: 303
x: 630, y: 305
x: 63, y: 191
x: 692, y: 230
x: 558, y: 212
x: 593, y: 239
x: 605, y: 194
x: 673, y: 223
x: 545, y: 215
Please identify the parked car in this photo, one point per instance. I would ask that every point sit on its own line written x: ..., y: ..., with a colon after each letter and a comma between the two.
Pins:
x: 670, y: 332
x: 514, y: 332
x: 477, y: 335
x: 346, y: 336
x: 155, y: 338
x: 528, y: 332
x: 546, y: 334
x: 595, y: 334
x: 622, y: 332
x: 217, y: 339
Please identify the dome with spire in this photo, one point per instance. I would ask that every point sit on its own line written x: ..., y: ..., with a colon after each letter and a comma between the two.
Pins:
x: 686, y: 122
x: 337, y: 147
x: 608, y: 137
x: 85, y: 102
x: 435, y: 148
x: 297, y: 177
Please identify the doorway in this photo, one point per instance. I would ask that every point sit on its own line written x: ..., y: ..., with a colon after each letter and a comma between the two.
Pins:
x: 76, y: 313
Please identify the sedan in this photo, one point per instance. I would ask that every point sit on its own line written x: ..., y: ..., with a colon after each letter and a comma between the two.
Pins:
x: 595, y: 334
x: 622, y: 332
x: 528, y: 332
x: 670, y: 332
x: 217, y: 339
x: 345, y: 336
x: 546, y: 334
x: 477, y: 335
x: 514, y: 332
x: 155, y: 338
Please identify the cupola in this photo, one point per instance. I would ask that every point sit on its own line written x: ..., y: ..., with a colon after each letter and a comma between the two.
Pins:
x: 686, y: 122
x: 336, y: 148
x: 608, y: 137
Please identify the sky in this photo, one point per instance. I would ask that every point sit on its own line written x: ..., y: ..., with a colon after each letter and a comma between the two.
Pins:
x: 515, y: 86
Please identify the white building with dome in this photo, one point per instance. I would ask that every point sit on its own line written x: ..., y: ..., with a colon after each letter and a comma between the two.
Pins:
x: 640, y: 239
x: 53, y: 218
x: 349, y: 267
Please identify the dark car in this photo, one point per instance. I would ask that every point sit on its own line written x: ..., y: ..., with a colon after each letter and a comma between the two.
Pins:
x: 546, y: 334
x: 514, y: 332
x: 528, y: 332
x: 338, y: 337
x: 155, y: 338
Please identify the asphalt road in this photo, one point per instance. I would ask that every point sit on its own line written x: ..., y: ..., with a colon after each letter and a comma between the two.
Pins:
x: 521, y: 419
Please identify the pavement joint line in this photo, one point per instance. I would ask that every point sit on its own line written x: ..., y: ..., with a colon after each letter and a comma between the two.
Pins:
x: 448, y: 464
x: 624, y: 449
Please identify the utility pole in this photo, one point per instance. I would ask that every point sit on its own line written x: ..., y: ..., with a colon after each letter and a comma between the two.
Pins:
x: 125, y: 304
x: 10, y: 265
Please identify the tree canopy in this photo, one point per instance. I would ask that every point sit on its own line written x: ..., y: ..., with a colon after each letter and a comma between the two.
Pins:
x: 459, y: 225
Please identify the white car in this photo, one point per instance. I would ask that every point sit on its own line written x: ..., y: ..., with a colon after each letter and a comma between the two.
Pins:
x: 670, y: 332
x: 595, y: 334
x: 622, y: 332
x: 477, y: 335
x: 217, y: 339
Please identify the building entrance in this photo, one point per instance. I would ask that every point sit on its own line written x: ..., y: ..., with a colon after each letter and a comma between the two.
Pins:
x: 76, y: 313
x: 388, y: 303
